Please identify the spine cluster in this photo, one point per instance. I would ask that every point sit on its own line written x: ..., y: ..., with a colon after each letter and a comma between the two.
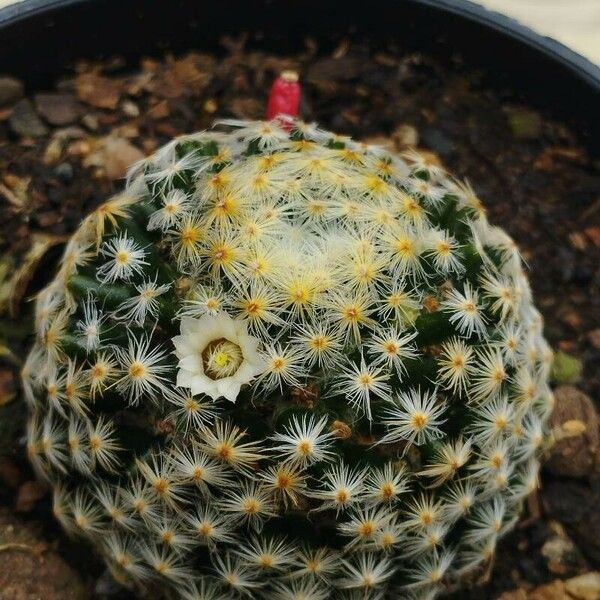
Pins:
x: 286, y: 365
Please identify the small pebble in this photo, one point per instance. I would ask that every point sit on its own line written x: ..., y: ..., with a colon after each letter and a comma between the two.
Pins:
x: 405, y: 136
x: 524, y: 123
x: 563, y: 557
x: 11, y: 90
x: 130, y: 109
x: 90, y: 121
x: 211, y: 106
x: 64, y: 172
x: 584, y: 587
x: 594, y: 337
x: 25, y: 122
x: 58, y: 109
x: 566, y: 368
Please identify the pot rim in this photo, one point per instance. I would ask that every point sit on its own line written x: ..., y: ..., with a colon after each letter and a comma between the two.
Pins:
x: 580, y: 66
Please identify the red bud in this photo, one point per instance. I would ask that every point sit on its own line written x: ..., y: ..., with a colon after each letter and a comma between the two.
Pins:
x: 284, y: 98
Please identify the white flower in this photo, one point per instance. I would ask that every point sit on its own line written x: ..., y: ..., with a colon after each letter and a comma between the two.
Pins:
x: 283, y: 366
x: 385, y: 484
x: 304, y: 441
x: 266, y: 133
x: 210, y: 527
x: 174, y: 205
x: 493, y: 421
x: 459, y: 499
x: 443, y: 252
x: 465, y: 311
x: 316, y: 563
x: 392, y: 348
x: 250, y: 502
x: 415, y: 417
x: 266, y: 553
x: 216, y: 356
x: 358, y: 383
x: 447, y: 460
x: 455, y: 364
x: 103, y: 444
x: 490, y: 375
x: 88, y: 328
x: 488, y: 521
x: 143, y: 368
x: 430, y: 569
x: 136, y: 308
x: 299, y: 590
x: 342, y: 486
x: 366, y: 571
x: 501, y: 294
x: 365, y: 524
x: 125, y: 258
x: 432, y: 195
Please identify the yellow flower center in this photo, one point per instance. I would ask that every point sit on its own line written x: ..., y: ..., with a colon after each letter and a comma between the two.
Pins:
x: 251, y: 506
x: 387, y: 490
x: 366, y: 529
x: 458, y: 361
x: 419, y: 420
x: 319, y: 342
x: 266, y: 560
x: 221, y: 358
x: 137, y: 370
x: 225, y: 451
x: 501, y: 422
x: 443, y: 248
x: 313, y: 566
x: 305, y: 448
x: 342, y: 496
x: 391, y: 347
x: 498, y: 375
x: 212, y: 304
x: 427, y: 518
x: 469, y: 307
x: 99, y: 370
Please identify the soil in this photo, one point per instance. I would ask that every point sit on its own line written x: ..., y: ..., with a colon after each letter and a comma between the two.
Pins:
x: 31, y: 568
x: 64, y: 150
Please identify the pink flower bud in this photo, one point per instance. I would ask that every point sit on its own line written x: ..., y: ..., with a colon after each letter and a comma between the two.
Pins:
x: 284, y: 98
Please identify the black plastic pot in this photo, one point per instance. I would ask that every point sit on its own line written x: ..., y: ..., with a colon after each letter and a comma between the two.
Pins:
x: 39, y: 37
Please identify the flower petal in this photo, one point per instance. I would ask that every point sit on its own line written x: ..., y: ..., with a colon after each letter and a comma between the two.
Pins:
x: 229, y: 388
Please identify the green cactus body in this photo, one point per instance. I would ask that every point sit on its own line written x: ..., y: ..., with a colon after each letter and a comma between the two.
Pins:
x: 287, y: 365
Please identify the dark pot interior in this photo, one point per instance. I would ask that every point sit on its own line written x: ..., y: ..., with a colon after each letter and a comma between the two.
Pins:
x: 40, y: 36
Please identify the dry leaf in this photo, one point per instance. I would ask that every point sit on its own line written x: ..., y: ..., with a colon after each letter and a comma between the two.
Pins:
x: 41, y: 243
x: 114, y: 155
x: 15, y: 190
x: 573, y: 428
x: 98, y: 91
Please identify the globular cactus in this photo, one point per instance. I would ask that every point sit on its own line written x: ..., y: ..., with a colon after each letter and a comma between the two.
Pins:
x: 286, y: 365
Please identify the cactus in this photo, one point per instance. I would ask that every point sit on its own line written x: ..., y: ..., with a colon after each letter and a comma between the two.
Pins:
x: 286, y: 365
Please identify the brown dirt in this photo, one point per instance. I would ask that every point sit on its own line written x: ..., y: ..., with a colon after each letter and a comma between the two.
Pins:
x: 29, y: 568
